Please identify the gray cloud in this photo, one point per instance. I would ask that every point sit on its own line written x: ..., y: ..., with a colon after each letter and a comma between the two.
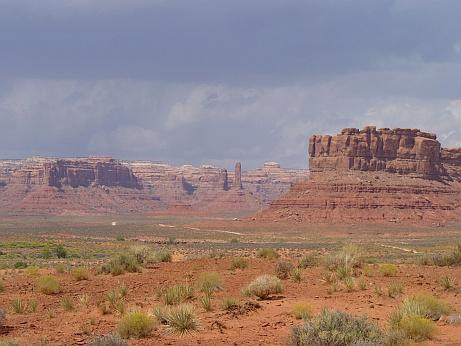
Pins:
x: 214, y: 81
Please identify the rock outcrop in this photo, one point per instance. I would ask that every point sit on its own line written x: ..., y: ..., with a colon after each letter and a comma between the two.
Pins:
x: 369, y: 175
x: 403, y: 151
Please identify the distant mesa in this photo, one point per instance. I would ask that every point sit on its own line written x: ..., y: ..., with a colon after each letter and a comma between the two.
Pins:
x: 370, y: 175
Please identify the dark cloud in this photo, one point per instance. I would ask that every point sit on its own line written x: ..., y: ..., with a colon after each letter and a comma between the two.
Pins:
x: 218, y: 80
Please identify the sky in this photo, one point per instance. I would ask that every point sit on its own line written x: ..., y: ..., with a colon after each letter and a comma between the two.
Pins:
x: 219, y: 81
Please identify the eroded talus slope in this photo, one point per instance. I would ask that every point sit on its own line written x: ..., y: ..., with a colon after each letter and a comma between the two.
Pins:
x: 400, y: 175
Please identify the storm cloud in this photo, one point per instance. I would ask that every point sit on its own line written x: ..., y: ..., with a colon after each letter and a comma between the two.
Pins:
x: 214, y: 81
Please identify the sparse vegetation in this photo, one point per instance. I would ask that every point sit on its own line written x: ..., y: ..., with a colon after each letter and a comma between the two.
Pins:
x: 336, y: 328
x: 308, y: 261
x: 49, y: 285
x: 206, y: 302
x: 264, y: 286
x: 181, y: 318
x: 108, y: 340
x: 136, y: 324
x: 67, y: 303
x: 422, y: 305
x: 447, y: 283
x: 349, y: 284
x: 394, y: 289
x: 283, y: 269
x: 388, y: 269
x: 229, y: 303
x: 345, y: 262
x: 178, y: 294
x: 60, y: 268
x: 296, y: 275
x: 80, y: 274
x: 302, y: 311
x: 84, y: 300
x: 60, y: 251
x: 239, y: 263
x: 121, y: 264
x: 209, y: 282
x: 417, y: 328
x: 18, y: 305
x: 269, y: 254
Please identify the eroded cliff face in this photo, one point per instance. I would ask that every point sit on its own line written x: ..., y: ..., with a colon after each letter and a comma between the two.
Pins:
x: 104, y: 185
x: 369, y: 175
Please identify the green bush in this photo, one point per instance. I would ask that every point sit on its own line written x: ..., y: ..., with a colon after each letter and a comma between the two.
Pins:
x: 20, y: 265
x: 269, y: 254
x: 209, y: 282
x: 422, y: 305
x: 388, y: 269
x: 136, y: 324
x: 283, y: 269
x: 239, y: 263
x: 49, y: 285
x: 336, y: 328
x: 121, y: 264
x: 178, y: 294
x: 263, y: 286
x: 60, y: 251
x: 302, y: 311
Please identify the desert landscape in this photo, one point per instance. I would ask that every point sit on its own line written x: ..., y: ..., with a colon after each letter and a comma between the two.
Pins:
x: 362, y: 249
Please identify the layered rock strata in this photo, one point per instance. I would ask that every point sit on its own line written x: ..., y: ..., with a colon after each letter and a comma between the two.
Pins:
x: 369, y: 175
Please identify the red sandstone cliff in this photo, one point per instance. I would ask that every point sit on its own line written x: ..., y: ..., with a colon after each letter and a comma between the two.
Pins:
x: 369, y: 175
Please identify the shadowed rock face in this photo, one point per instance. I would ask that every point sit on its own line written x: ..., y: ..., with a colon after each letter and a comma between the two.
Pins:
x: 403, y: 151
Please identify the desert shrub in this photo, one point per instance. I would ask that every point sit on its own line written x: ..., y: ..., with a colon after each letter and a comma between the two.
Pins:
x: 336, y: 328
x: 121, y: 264
x: 417, y: 328
x: 80, y: 274
x: 349, y: 284
x: 181, y: 318
x: 141, y: 253
x: 283, y: 269
x: 269, y: 254
x: 162, y: 256
x: 362, y: 284
x: 33, y: 305
x: 84, y: 300
x: 20, y: 265
x: 115, y: 298
x: 178, y: 294
x: 136, y: 324
x: 424, y: 305
x: 308, y: 261
x: 239, y: 263
x: 209, y: 282
x: 32, y: 270
x: 18, y: 305
x: 120, y: 237
x: 49, y: 285
x: 443, y: 260
x: 60, y: 268
x: 2, y: 286
x: 447, y: 283
x: 378, y: 290
x: 206, y: 302
x: 263, y: 286
x: 302, y: 311
x: 67, y: 304
x: 345, y: 261
x: 122, y: 290
x: 394, y: 289
x: 229, y: 303
x: 60, y: 251
x: 104, y: 307
x: 296, y: 275
x: 108, y: 340
x: 388, y: 269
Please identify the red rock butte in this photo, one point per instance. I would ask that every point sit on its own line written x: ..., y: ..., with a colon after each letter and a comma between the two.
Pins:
x: 370, y: 175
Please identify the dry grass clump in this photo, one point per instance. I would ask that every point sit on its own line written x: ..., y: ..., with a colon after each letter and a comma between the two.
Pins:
x: 283, y: 269
x: 67, y: 304
x: 263, y: 286
x: 415, y: 316
x: 18, y: 305
x: 49, y: 285
x: 108, y: 340
x: 206, y: 302
x: 296, y: 275
x: 229, y: 303
x: 209, y: 282
x: 302, y: 311
x: 180, y: 318
x: 121, y: 264
x: 447, y: 283
x: 239, y: 263
x: 443, y: 260
x: 136, y: 324
x: 60, y: 268
x: 336, y: 328
x: 308, y: 261
x: 269, y: 254
x: 388, y: 269
x: 177, y: 294
x: 80, y: 274
x: 345, y: 262
x: 394, y: 289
